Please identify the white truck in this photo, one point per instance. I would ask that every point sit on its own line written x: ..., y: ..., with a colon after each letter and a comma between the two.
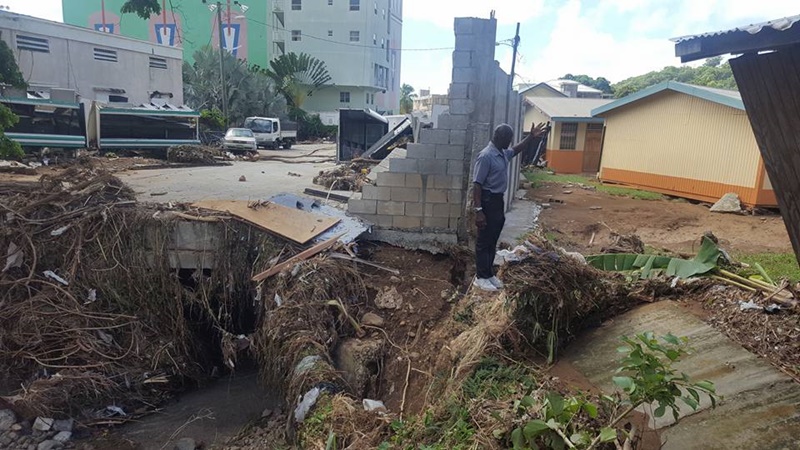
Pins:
x: 270, y: 133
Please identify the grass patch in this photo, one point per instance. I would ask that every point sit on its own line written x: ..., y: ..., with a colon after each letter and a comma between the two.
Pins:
x: 541, y: 177
x: 777, y: 265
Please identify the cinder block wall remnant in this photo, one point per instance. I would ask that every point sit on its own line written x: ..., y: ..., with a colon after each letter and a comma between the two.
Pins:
x: 424, y: 196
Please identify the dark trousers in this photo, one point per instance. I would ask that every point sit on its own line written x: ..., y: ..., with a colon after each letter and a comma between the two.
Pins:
x: 486, y: 245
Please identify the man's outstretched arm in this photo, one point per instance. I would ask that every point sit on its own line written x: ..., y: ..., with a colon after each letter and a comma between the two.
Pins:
x: 536, y: 131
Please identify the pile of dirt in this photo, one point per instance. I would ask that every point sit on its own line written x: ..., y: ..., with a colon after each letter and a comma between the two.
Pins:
x: 346, y: 177
x: 194, y: 154
x: 93, y: 315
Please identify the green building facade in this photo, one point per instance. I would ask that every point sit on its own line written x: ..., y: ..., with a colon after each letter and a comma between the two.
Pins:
x: 188, y: 24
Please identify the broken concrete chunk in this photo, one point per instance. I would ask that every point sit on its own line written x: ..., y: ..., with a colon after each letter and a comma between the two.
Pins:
x: 186, y: 444
x: 43, y: 424
x: 64, y: 425
x: 389, y: 298
x: 374, y: 405
x: 359, y: 361
x: 49, y: 445
x: 7, y: 419
x: 372, y: 320
x: 729, y: 203
x: 63, y: 436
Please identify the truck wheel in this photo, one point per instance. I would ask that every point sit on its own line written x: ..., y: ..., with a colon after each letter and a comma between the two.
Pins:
x: 287, y: 145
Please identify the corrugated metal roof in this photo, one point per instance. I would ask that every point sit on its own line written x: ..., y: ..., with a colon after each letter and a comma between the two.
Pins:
x: 556, y: 84
x: 722, y: 96
x: 567, y: 108
x: 777, y: 24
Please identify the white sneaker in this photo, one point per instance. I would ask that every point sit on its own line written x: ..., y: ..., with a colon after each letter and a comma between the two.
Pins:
x: 484, y: 284
x: 496, y: 282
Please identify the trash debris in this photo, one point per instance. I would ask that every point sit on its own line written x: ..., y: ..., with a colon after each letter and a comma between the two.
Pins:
x: 516, y: 254
x: 242, y: 178
x: 729, y: 203
x: 14, y: 257
x: 278, y: 299
x: 374, y: 405
x: 749, y: 305
x: 346, y: 177
x: 51, y: 274
x: 115, y: 410
x: 292, y: 174
x: 624, y: 243
x: 306, y: 364
x: 91, y: 297
x: 193, y: 154
x: 305, y: 404
x: 60, y: 231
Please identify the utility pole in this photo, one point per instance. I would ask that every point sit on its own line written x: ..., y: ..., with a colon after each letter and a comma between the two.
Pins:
x: 222, y: 62
x: 511, y: 77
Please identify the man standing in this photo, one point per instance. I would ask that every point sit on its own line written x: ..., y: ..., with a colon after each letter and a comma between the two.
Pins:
x: 491, y: 180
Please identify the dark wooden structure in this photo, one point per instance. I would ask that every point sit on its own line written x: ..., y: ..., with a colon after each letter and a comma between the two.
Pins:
x: 768, y: 76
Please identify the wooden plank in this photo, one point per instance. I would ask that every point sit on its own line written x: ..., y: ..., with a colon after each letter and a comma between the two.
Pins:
x: 291, y: 223
x: 319, y: 248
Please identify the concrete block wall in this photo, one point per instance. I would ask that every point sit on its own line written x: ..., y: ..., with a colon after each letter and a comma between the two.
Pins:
x: 427, y: 191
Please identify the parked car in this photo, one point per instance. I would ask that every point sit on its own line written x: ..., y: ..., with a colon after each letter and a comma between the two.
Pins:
x: 239, y: 139
x: 271, y: 133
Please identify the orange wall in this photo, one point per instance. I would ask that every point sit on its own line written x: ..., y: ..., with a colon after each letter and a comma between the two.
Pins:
x: 706, y: 191
x: 565, y: 161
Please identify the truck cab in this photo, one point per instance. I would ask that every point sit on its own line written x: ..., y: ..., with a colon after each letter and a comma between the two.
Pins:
x: 269, y: 133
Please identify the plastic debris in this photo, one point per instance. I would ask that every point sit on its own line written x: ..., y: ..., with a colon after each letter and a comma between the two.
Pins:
x: 278, y: 299
x: 60, y: 231
x: 52, y: 275
x: 516, y: 254
x: 306, y: 364
x: 115, y: 410
x: 305, y: 404
x: 14, y: 257
x: 744, y: 306
x: 772, y: 309
x: 91, y: 296
x: 373, y: 405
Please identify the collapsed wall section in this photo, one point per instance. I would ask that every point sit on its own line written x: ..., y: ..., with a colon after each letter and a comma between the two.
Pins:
x: 424, y: 195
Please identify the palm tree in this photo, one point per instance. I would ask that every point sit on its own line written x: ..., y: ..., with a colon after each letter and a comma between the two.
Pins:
x: 297, y: 77
x: 407, y: 97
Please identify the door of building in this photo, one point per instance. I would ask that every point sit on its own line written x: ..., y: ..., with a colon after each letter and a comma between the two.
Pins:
x: 592, y: 147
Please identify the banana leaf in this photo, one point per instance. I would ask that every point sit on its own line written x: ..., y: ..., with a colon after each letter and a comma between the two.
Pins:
x: 651, y: 266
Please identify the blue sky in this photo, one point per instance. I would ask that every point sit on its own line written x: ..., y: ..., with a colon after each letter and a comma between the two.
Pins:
x: 616, y: 39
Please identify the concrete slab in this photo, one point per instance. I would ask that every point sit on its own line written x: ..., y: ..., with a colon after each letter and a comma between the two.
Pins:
x: 520, y: 220
x: 756, y: 396
x: 264, y: 178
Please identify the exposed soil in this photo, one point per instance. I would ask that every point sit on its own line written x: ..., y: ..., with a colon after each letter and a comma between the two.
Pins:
x: 673, y: 225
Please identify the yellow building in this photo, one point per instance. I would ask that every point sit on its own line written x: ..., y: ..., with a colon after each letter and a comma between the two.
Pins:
x: 684, y: 140
x: 575, y: 140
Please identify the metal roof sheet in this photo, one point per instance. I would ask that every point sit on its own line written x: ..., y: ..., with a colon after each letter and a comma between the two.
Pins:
x: 561, y: 108
x: 777, y: 24
x: 722, y: 96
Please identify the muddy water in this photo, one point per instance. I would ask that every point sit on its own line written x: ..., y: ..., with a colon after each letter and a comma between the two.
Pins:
x: 210, y: 415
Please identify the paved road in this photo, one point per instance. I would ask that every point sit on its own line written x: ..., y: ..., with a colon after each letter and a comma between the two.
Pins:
x: 265, y: 178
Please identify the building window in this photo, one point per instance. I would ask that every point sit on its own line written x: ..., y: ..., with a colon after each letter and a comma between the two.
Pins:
x: 296, y: 35
x: 33, y: 44
x: 376, y: 8
x: 355, y: 5
x: 569, y: 136
x: 297, y: 5
x: 101, y: 54
x: 344, y: 97
x: 158, y: 63
x: 330, y: 2
x: 117, y: 99
x: 330, y: 33
x: 383, y: 43
x: 355, y: 36
x: 368, y: 98
x: 374, y: 39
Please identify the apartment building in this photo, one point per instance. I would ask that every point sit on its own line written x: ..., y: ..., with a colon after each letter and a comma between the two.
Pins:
x: 360, y: 42
x: 69, y: 63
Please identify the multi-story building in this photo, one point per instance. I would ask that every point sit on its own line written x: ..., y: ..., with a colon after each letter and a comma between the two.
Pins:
x: 69, y: 63
x: 359, y: 40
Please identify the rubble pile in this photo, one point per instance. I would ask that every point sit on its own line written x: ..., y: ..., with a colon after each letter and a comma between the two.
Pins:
x: 347, y: 177
x: 194, y: 154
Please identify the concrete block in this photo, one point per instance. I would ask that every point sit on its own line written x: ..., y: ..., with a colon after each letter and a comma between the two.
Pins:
x: 463, y: 25
x: 407, y: 222
x: 462, y: 58
x: 414, y: 180
x: 376, y: 193
x: 434, y: 136
x: 467, y: 42
x: 454, y: 222
x: 436, y: 196
x: 434, y: 242
x: 453, y: 121
x: 459, y: 91
x: 404, y: 166
x: 455, y: 196
x: 450, y: 152
x: 406, y: 194
x: 457, y: 182
x: 433, y: 166
x: 390, y: 179
x: 436, y: 222
x: 464, y: 75
x: 421, y: 151
x: 391, y: 208
x: 441, y: 210
x: 455, y: 210
x: 455, y: 168
x: 362, y: 206
x: 427, y: 210
x: 414, y: 209
x: 383, y: 220
x: 440, y: 181
x: 458, y: 106
x: 458, y: 137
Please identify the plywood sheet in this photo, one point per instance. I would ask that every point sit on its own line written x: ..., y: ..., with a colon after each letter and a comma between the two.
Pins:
x: 291, y: 223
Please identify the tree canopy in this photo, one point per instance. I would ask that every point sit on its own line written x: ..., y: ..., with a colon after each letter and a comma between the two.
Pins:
x: 407, y: 97
x: 142, y: 8
x: 9, y: 75
x: 713, y: 73
x: 296, y: 77
x: 597, y: 83
x: 250, y: 92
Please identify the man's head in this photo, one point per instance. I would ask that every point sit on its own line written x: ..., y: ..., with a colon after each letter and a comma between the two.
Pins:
x: 502, y: 137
